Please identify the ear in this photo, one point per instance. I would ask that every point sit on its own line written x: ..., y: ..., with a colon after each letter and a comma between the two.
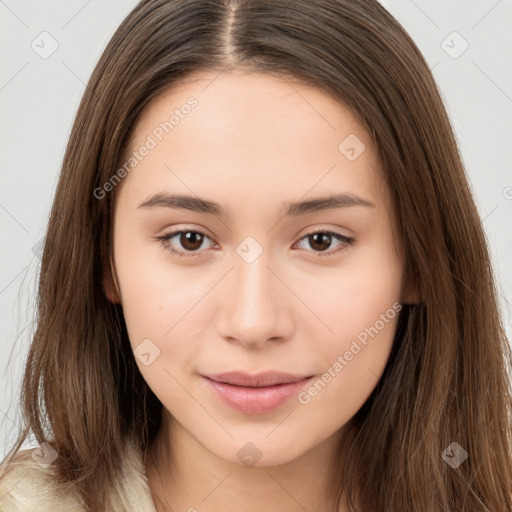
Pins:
x: 110, y: 284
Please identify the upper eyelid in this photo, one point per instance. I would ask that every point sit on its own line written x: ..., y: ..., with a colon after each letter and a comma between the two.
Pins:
x: 174, y: 231
x: 172, y: 234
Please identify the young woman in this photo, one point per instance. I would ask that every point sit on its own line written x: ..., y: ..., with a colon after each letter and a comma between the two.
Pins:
x: 265, y: 284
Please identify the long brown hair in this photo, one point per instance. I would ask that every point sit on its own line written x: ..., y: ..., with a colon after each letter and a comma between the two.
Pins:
x: 448, y: 377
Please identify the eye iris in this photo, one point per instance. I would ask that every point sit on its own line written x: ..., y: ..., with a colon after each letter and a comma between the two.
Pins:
x: 321, y: 239
x: 189, y: 238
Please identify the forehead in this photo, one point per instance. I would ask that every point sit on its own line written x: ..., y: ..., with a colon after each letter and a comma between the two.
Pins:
x: 257, y: 133
x: 249, y: 100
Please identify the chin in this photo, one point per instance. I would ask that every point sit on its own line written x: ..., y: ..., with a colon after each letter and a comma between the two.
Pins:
x: 260, y: 449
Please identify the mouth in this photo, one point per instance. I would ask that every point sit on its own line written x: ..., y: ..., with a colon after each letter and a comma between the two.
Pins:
x: 255, y: 394
x: 264, y: 379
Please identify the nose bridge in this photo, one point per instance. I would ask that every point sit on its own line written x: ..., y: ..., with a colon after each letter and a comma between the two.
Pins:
x: 253, y: 305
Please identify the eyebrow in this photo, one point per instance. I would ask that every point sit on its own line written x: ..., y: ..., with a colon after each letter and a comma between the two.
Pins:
x: 197, y: 204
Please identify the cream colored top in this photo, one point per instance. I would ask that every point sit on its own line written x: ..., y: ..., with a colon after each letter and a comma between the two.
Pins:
x: 26, y: 486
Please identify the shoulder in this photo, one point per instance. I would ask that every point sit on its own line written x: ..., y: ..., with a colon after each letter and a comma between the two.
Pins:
x: 26, y: 485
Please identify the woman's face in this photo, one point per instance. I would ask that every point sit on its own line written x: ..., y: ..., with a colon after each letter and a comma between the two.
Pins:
x: 253, y: 234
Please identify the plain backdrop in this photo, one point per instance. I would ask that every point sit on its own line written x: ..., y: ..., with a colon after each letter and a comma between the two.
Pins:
x: 49, y: 49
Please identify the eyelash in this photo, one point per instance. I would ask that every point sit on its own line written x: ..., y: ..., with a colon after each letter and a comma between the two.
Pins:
x: 164, y: 239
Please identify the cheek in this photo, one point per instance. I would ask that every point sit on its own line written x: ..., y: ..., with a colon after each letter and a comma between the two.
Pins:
x: 347, y: 381
x: 363, y: 324
x: 353, y: 296
x: 360, y: 305
x: 351, y: 361
x: 156, y: 294
x: 158, y: 307
x: 158, y: 302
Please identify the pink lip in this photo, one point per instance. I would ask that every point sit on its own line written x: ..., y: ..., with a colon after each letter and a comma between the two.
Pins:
x: 255, y: 394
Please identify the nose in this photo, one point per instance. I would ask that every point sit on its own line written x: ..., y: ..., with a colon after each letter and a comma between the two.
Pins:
x: 256, y: 307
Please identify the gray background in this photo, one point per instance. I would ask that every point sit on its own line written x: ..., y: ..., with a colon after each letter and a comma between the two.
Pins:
x: 39, y: 97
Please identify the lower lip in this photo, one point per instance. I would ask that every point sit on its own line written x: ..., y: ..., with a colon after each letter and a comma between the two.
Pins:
x: 250, y: 400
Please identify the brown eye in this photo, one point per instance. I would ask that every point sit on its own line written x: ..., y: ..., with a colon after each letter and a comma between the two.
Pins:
x: 320, y: 241
x: 188, y: 242
x: 191, y: 240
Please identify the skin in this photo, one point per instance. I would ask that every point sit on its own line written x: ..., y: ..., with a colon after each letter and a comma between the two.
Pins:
x: 253, y: 143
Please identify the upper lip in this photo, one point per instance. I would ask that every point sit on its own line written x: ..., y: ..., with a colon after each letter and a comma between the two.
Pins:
x: 268, y: 378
